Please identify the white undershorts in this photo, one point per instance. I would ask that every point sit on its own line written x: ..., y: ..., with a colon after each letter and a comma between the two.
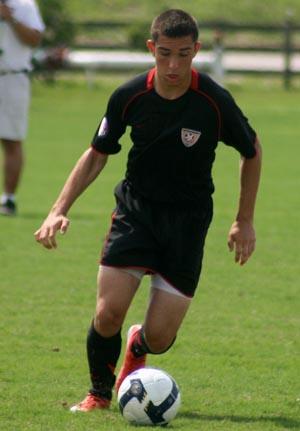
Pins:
x: 14, y: 104
x: 157, y: 281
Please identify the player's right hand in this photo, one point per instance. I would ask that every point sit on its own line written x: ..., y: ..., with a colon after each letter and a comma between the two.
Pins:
x: 45, y: 235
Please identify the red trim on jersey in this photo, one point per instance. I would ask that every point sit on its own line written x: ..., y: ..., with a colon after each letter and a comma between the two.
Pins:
x: 149, y: 87
x: 148, y: 271
x: 108, y: 234
x: 194, y: 80
x: 195, y: 87
x: 112, y: 367
x: 150, y: 78
x: 214, y: 104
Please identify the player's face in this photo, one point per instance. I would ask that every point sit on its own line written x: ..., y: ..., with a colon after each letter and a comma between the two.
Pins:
x: 173, y: 57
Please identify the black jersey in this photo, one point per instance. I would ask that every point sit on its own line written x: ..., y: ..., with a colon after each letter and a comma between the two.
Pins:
x: 174, y: 141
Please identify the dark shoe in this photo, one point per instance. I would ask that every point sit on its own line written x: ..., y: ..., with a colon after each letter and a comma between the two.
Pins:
x: 8, y: 208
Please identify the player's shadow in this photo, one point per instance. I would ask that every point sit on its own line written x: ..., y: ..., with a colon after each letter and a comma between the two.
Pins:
x: 280, y: 421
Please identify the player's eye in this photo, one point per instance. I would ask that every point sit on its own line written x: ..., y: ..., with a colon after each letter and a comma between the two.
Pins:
x: 183, y: 54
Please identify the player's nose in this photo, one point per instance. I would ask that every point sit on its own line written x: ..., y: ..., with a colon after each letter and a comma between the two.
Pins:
x: 173, y: 63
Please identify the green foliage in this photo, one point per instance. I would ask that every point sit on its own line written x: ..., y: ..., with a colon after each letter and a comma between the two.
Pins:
x: 244, y: 11
x: 60, y: 29
x: 236, y: 356
x: 138, y: 33
x: 139, y: 15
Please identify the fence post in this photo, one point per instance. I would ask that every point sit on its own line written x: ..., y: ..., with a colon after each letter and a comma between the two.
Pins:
x: 218, y: 70
x: 287, y: 47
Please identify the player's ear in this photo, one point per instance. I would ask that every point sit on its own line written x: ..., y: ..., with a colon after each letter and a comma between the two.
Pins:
x: 151, y: 45
x: 197, y: 46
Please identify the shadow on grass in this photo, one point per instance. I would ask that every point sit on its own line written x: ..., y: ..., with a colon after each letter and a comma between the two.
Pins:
x: 283, y: 422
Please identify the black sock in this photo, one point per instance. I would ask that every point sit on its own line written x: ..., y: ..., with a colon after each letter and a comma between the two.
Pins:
x: 103, y: 354
x: 140, y: 347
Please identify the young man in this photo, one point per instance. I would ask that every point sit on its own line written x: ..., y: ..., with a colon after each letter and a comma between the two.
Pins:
x: 164, y: 206
x: 21, y: 29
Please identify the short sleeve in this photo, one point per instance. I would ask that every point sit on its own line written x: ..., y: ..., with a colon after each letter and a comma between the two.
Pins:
x: 236, y: 130
x: 111, y: 127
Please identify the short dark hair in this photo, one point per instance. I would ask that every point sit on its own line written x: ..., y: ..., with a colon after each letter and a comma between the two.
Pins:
x: 174, y: 23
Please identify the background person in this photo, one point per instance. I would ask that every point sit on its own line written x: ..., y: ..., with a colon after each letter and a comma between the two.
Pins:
x: 21, y: 28
x: 164, y: 205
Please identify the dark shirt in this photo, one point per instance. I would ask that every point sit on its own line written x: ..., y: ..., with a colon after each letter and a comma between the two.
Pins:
x: 174, y: 141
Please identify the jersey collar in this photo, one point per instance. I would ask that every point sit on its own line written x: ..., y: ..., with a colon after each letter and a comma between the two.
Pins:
x: 151, y: 75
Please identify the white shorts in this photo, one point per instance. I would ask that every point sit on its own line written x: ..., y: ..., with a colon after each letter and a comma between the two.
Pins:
x: 157, y: 281
x: 14, y: 104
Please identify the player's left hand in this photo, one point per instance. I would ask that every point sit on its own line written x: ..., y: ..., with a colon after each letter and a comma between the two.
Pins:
x: 241, y: 239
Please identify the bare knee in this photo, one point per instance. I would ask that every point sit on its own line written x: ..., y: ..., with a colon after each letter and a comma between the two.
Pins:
x: 108, y: 320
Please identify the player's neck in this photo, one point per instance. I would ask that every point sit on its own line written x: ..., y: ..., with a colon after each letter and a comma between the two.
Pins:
x: 171, y: 91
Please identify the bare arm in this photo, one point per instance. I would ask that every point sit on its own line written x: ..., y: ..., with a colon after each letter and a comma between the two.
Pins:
x: 85, y: 171
x: 27, y: 35
x: 241, y: 237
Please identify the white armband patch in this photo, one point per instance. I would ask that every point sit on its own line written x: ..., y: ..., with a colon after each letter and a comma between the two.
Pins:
x: 103, y: 128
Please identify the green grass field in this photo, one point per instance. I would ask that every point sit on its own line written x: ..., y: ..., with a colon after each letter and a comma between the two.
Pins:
x: 236, y: 358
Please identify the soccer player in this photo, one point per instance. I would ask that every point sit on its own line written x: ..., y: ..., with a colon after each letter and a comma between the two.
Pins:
x: 21, y: 29
x: 164, y: 207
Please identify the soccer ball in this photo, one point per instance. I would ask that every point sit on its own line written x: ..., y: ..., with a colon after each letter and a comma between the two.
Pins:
x: 149, y: 396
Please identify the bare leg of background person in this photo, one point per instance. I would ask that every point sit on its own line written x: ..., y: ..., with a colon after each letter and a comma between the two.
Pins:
x: 12, y: 164
x: 12, y: 168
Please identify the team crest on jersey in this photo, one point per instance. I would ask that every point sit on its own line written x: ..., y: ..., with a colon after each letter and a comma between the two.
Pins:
x: 103, y: 128
x: 189, y: 137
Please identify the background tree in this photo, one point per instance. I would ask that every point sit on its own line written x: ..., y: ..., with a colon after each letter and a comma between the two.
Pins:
x: 60, y: 29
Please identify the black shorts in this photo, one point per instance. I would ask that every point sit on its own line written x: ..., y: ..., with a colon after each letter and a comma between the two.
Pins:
x: 159, y: 238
